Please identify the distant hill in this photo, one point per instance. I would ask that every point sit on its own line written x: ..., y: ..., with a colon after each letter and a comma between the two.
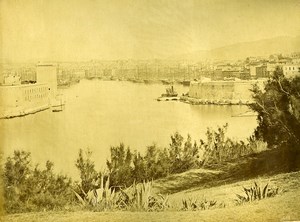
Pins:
x: 265, y: 47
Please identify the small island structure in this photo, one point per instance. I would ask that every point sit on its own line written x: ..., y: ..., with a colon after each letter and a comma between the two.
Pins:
x: 170, y: 95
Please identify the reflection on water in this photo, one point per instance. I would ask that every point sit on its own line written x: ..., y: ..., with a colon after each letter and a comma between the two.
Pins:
x: 99, y: 114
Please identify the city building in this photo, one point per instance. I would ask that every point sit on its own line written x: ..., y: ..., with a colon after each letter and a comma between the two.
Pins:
x: 291, y: 70
x: 258, y: 71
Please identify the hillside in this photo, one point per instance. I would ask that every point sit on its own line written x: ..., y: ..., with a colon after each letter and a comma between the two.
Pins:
x: 219, y: 183
x: 284, y: 206
x: 265, y: 47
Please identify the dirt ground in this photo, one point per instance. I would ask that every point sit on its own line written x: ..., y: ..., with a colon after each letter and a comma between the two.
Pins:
x: 283, y: 207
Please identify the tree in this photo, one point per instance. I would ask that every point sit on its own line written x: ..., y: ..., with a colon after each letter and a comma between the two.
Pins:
x: 87, y: 170
x: 27, y: 189
x: 190, y: 153
x: 119, y: 166
x: 151, y: 161
x: 17, y: 168
x: 175, y: 151
x: 163, y: 163
x: 16, y: 173
x: 139, y: 167
x: 182, y: 154
x: 278, y: 111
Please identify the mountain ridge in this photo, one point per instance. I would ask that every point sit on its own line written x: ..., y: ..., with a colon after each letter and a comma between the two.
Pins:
x: 242, y: 50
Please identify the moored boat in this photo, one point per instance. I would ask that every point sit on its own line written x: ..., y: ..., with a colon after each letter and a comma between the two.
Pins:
x: 170, y: 95
x: 58, y: 104
x: 167, y: 81
x: 186, y: 82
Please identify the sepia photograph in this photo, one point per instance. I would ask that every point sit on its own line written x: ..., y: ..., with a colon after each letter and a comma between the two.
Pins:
x: 149, y: 110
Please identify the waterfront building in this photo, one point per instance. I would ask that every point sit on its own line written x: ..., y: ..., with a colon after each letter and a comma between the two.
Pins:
x: 47, y: 73
x: 21, y: 99
x: 223, y: 91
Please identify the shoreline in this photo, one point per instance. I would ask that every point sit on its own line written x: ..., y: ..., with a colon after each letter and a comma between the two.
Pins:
x: 196, y: 101
x: 21, y: 112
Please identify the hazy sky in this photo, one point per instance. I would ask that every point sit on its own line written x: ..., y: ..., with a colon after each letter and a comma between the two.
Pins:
x: 100, y: 29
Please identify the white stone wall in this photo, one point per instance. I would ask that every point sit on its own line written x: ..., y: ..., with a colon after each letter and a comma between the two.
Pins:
x: 23, y: 99
x: 222, y: 90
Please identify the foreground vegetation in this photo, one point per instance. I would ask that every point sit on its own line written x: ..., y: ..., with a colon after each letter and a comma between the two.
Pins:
x: 284, y: 206
x: 123, y: 187
x: 146, y: 182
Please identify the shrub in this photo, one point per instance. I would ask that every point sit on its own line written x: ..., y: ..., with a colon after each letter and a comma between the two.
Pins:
x: 182, y: 155
x: 157, y: 163
x: 86, y: 169
x: 218, y: 148
x: 139, y: 167
x: 119, y: 166
x: 27, y: 189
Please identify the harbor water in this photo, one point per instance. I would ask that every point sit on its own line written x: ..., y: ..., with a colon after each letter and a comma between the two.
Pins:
x: 100, y: 114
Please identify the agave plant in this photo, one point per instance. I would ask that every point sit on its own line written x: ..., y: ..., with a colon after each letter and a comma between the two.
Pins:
x: 141, y: 194
x: 104, y: 196
x: 140, y: 197
x: 159, y: 203
x: 195, y: 204
x: 137, y: 197
x: 256, y: 193
x: 189, y: 204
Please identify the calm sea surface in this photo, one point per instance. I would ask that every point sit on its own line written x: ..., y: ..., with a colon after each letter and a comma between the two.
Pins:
x: 99, y: 114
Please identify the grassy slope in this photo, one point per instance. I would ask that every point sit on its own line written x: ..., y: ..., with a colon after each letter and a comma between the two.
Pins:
x: 267, y: 163
x: 219, y: 183
x: 285, y: 206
